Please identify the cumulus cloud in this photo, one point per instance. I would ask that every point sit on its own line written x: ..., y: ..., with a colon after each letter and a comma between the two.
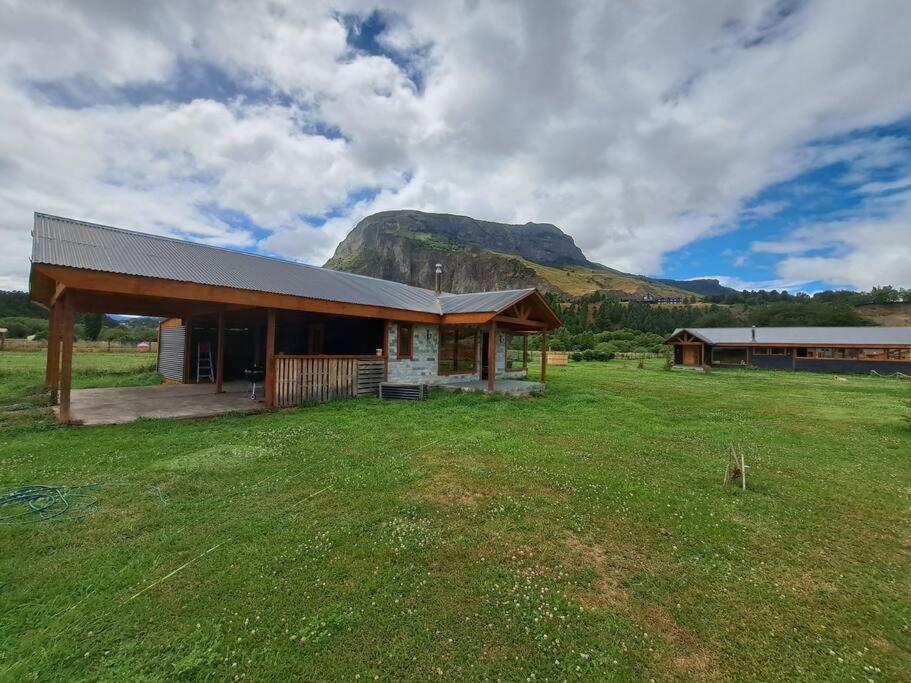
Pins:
x: 866, y: 249
x: 638, y: 128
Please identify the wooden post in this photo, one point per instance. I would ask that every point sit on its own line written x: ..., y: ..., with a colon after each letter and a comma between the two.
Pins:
x: 52, y: 371
x: 270, y: 358
x: 544, y: 356
x: 385, y: 350
x: 492, y: 356
x: 220, y: 354
x: 66, y: 364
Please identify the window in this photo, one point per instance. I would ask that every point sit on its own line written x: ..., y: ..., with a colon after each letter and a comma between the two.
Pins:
x: 771, y: 351
x: 406, y: 340
x: 722, y: 355
x: 457, y: 350
x: 517, y: 352
x: 859, y: 354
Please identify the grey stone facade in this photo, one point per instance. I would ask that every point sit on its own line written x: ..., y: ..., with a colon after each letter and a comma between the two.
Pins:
x: 423, y: 366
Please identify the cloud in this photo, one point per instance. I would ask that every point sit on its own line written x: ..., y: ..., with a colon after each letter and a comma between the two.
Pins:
x: 638, y: 128
x: 868, y: 249
x: 791, y: 285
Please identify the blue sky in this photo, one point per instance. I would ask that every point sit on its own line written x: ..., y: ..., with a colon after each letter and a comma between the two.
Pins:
x: 830, y: 193
x: 767, y: 143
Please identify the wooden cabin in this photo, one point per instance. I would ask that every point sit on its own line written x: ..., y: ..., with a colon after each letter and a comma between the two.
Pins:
x: 818, y: 349
x: 316, y: 332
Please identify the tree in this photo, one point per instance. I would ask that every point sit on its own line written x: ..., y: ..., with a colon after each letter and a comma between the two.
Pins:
x: 93, y: 322
x: 884, y: 295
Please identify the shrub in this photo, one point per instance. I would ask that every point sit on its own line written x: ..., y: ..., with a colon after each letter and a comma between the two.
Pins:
x: 576, y: 356
x: 19, y: 327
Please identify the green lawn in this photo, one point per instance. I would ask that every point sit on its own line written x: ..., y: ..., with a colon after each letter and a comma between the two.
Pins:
x: 583, y: 535
x: 22, y: 372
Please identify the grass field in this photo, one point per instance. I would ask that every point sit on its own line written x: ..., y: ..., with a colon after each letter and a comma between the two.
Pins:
x: 583, y: 535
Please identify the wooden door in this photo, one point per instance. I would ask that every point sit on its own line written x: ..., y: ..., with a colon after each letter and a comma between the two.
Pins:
x: 691, y: 355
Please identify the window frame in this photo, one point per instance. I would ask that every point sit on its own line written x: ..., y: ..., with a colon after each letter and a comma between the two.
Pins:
x: 404, y: 332
x: 524, y: 351
x: 472, y: 332
x: 741, y: 363
x: 854, y: 353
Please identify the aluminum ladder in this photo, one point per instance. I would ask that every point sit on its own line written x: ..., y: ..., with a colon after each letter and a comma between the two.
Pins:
x: 204, y: 362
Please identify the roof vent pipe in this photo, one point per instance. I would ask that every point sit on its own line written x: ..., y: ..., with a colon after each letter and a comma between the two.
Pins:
x: 754, y: 333
x: 439, y: 271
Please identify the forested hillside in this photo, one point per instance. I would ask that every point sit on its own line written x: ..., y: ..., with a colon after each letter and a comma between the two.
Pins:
x: 22, y: 319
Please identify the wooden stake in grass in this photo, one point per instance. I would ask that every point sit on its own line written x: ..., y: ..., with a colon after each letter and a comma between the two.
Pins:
x: 736, y: 469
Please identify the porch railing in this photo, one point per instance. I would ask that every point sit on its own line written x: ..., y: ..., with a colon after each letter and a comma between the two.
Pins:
x: 318, y: 379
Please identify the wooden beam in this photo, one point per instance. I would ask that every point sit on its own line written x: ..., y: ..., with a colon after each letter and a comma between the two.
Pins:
x: 270, y: 358
x: 521, y: 322
x: 52, y: 368
x: 220, y: 354
x: 58, y: 292
x: 544, y: 356
x: 66, y: 363
x: 385, y: 350
x: 492, y: 356
x: 100, y: 302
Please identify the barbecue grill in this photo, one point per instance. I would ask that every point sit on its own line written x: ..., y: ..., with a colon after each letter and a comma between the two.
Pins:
x: 254, y: 375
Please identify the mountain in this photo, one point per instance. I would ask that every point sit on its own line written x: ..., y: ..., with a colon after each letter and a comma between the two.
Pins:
x: 704, y: 286
x: 478, y: 255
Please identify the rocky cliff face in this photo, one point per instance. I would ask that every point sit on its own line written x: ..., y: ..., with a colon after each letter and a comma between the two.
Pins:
x: 478, y: 255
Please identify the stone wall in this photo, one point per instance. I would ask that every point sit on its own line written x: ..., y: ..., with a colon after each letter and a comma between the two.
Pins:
x: 423, y: 365
x: 502, y: 340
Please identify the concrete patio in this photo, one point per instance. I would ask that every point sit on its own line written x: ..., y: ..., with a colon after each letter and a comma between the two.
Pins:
x: 509, y: 387
x: 181, y: 401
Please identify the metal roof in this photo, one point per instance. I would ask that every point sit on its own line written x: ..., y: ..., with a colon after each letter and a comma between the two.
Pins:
x: 72, y: 243
x: 481, y: 301
x: 803, y: 336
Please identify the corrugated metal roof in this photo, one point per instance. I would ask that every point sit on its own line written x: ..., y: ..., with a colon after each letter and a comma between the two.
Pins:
x: 481, y: 301
x: 802, y: 336
x: 78, y: 244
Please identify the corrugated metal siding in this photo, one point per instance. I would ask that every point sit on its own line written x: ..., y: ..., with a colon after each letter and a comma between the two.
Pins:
x: 171, y: 352
x: 802, y: 336
x: 851, y: 366
x: 772, y: 362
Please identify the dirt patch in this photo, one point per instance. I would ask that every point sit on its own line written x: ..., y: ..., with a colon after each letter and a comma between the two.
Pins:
x: 449, y: 488
x: 473, y: 482
x: 883, y: 645
x: 683, y: 658
x: 614, y: 560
